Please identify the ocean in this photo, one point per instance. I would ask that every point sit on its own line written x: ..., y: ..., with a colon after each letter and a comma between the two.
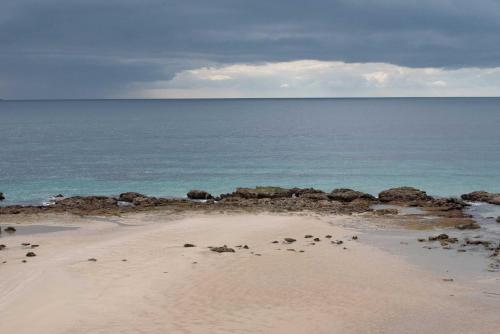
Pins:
x: 446, y: 146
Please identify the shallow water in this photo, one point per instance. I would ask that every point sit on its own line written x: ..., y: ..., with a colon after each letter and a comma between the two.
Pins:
x: 34, y: 229
x: 446, y: 146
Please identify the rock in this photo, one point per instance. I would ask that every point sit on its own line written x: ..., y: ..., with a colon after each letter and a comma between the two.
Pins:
x: 443, y: 237
x: 328, y: 236
x: 316, y: 239
x: 199, y: 194
x: 468, y: 226
x: 10, y: 229
x: 260, y: 192
x: 87, y: 203
x: 289, y: 240
x: 92, y: 259
x: 130, y: 197
x: 348, y: 195
x: 403, y: 194
x: 420, y: 239
x: 222, y: 249
x: 337, y: 242
x: 189, y: 245
x: 35, y: 246
x: 355, y: 237
x: 30, y: 254
x: 2, y: 246
x: 498, y: 219
x: 275, y: 242
x: 59, y: 196
x: 2, y: 196
x: 383, y: 212
x: 25, y: 244
x: 448, y: 279
x: 246, y: 247
x: 482, y: 196
x: 307, y: 236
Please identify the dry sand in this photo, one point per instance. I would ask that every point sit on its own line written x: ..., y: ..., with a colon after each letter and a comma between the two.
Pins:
x: 163, y: 287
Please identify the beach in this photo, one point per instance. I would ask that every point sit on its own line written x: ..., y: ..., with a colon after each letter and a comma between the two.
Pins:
x: 132, y: 274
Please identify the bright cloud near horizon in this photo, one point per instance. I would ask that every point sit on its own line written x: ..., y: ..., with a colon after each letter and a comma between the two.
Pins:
x: 314, y: 78
x: 259, y: 48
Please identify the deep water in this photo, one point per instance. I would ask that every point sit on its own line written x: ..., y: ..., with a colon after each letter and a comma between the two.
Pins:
x: 446, y: 146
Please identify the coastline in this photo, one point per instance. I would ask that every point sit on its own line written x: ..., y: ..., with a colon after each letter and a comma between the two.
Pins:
x: 266, y: 288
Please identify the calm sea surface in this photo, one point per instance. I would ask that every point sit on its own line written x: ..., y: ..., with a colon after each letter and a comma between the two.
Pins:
x: 166, y: 147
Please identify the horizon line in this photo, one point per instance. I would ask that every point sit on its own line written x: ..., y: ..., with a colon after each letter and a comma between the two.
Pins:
x: 247, y: 98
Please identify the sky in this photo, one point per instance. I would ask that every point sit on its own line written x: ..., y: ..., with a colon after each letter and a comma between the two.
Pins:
x: 73, y: 49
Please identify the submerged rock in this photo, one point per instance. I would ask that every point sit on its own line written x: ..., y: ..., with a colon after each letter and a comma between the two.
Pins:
x: 199, y: 194
x: 2, y: 196
x: 10, y: 229
x: 348, y: 195
x: 468, y: 226
x: 403, y: 194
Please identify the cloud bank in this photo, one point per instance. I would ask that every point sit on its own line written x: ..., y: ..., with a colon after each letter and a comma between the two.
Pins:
x: 96, y: 48
x: 315, y: 78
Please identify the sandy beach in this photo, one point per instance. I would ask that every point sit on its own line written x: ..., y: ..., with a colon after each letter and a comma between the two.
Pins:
x: 145, y: 281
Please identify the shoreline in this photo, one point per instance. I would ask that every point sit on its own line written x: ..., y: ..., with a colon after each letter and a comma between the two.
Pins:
x: 267, y: 287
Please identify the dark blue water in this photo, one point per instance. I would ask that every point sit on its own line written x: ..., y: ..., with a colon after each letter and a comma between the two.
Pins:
x: 166, y: 147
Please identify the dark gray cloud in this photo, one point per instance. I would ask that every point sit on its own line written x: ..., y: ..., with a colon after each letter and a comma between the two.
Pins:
x: 90, y: 48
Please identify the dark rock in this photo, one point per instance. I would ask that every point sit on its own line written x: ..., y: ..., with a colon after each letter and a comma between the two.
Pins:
x: 337, y: 242
x: 275, y: 242
x: 307, y: 236
x: 316, y: 239
x: 348, y: 195
x: 260, y: 192
x: 328, y: 236
x: 87, y: 203
x: 25, y: 244
x: 498, y: 219
x: 130, y: 197
x: 482, y: 196
x: 421, y: 239
x: 92, y: 259
x: 403, y: 194
x: 30, y: 254
x: 289, y: 240
x: 468, y: 226
x: 199, y: 194
x: 222, y: 249
x: 189, y: 245
x: 2, y: 196
x: 355, y: 237
x: 59, y: 196
x: 35, y: 246
x: 10, y: 229
x: 2, y: 246
x: 383, y: 212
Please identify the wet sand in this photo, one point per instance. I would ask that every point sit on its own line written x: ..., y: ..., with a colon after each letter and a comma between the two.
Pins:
x: 163, y: 287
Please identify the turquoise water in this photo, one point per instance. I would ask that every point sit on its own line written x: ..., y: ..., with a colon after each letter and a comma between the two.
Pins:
x: 166, y: 147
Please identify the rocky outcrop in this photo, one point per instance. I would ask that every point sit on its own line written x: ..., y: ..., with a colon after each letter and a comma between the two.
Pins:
x: 2, y: 196
x: 260, y: 192
x: 349, y: 195
x: 482, y: 196
x: 403, y: 194
x: 130, y: 197
x: 87, y: 203
x: 199, y: 194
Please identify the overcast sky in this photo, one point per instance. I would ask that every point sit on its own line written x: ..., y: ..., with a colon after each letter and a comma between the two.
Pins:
x: 235, y: 48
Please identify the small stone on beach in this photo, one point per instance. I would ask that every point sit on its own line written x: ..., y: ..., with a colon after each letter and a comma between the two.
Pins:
x: 30, y: 254
x: 289, y: 240
x: 189, y: 245
x: 92, y: 259
x: 10, y: 229
x: 222, y: 249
